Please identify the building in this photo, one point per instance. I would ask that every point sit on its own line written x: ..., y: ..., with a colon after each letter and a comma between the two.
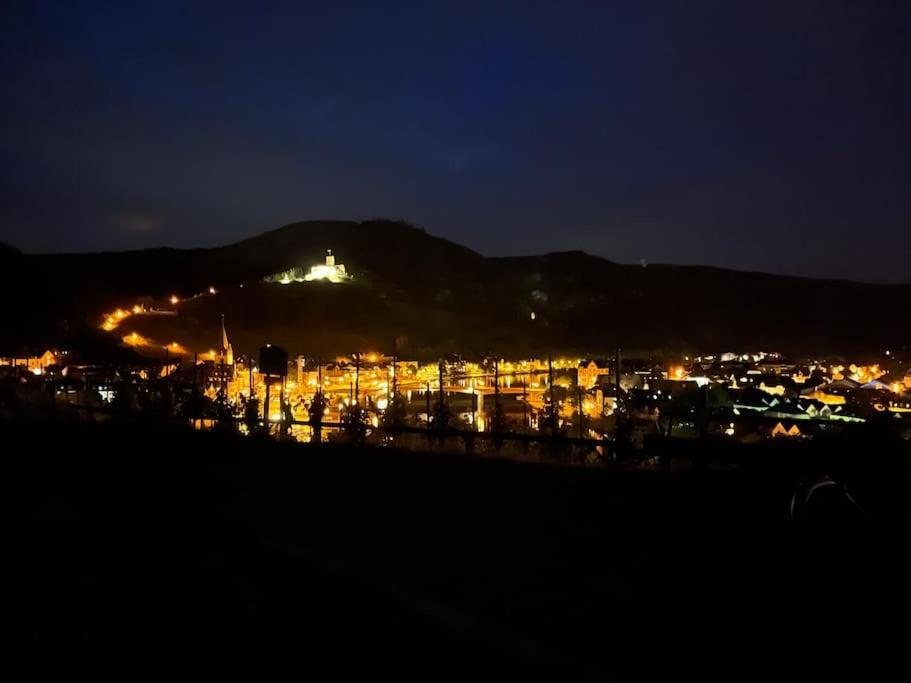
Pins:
x: 590, y: 371
x: 332, y: 271
x: 34, y: 364
x: 781, y: 430
x: 224, y: 360
x: 329, y: 271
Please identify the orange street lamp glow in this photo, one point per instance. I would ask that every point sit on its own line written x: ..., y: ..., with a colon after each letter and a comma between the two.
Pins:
x: 135, y: 339
x: 174, y: 300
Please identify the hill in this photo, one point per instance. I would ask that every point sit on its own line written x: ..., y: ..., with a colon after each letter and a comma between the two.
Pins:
x: 438, y: 296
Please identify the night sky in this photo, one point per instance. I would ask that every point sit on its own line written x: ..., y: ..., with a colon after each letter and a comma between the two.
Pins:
x: 757, y: 135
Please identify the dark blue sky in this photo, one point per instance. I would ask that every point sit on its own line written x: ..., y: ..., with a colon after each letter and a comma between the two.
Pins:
x: 760, y: 135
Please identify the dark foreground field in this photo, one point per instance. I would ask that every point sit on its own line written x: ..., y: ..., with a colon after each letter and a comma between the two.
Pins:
x: 153, y: 554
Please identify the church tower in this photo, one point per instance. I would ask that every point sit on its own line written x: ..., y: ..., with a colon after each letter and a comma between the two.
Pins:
x: 227, y: 352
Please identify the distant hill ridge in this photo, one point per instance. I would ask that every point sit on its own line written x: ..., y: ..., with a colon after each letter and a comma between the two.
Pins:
x: 445, y: 297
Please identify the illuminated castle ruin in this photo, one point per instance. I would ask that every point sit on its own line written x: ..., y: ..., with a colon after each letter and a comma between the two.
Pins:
x: 330, y: 271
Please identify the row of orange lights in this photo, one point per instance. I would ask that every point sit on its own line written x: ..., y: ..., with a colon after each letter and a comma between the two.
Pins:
x: 112, y: 320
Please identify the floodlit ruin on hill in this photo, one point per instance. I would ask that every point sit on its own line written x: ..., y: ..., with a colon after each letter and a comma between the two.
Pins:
x: 329, y: 271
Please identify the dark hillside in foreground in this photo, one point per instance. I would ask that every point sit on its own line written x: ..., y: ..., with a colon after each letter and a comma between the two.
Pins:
x: 441, y: 297
x: 155, y: 554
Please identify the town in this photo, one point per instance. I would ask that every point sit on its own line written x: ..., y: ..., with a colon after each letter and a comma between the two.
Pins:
x: 599, y: 404
x: 731, y: 397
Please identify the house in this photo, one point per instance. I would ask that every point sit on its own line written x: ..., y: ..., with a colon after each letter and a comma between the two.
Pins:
x: 775, y: 365
x: 841, y: 385
x: 590, y: 372
x: 800, y: 410
x: 780, y: 430
x: 900, y: 404
x: 823, y: 397
x: 34, y: 364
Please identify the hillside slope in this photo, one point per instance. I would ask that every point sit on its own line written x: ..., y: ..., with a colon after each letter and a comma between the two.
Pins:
x: 438, y: 297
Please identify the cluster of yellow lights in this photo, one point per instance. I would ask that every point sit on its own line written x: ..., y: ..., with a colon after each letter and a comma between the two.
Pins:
x: 774, y: 389
x: 174, y: 347
x: 112, y: 320
x: 828, y: 399
x: 858, y: 373
x: 136, y: 340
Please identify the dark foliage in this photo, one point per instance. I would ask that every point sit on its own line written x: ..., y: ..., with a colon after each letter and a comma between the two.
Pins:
x: 159, y: 554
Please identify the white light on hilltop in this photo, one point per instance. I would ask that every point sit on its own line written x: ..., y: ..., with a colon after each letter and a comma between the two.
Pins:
x: 332, y: 271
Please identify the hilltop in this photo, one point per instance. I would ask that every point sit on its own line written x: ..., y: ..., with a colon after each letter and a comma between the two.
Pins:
x: 438, y: 296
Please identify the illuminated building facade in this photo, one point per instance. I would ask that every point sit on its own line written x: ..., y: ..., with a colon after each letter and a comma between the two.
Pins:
x: 34, y: 364
x: 330, y: 271
x: 589, y: 372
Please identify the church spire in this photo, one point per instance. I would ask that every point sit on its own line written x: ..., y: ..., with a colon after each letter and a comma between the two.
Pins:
x: 226, y: 351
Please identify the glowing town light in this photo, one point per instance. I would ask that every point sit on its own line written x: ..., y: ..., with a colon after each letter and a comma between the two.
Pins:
x: 532, y: 315
x: 174, y: 347
x: 135, y: 339
x: 174, y: 300
x: 212, y: 290
x: 137, y: 309
x: 382, y: 403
